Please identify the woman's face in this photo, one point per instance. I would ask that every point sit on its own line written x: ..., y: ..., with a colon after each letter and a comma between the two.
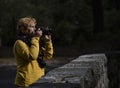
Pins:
x: 31, y: 29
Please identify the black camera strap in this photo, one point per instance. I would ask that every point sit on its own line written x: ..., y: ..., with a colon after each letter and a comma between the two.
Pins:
x: 40, y: 60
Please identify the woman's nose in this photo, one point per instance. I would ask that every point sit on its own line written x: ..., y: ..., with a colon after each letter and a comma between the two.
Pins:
x: 34, y: 29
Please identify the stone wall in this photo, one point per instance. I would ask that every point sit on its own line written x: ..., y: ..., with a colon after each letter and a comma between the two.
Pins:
x: 86, y: 71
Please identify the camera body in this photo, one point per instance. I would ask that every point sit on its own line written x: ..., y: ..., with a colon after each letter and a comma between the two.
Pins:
x: 45, y: 30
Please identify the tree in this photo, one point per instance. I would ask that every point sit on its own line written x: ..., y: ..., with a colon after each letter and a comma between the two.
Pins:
x: 98, y: 18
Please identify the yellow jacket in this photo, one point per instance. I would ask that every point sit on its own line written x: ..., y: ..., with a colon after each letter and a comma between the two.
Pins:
x: 28, y: 70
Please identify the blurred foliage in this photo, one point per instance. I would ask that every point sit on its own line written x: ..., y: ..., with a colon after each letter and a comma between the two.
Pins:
x: 71, y: 20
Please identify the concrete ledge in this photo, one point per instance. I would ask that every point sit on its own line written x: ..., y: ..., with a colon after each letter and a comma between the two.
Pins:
x: 87, y: 71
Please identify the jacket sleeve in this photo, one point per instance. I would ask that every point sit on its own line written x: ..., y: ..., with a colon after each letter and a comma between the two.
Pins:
x: 28, y: 53
x: 48, y: 50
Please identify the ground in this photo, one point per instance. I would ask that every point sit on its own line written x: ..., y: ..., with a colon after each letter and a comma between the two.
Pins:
x: 8, y: 69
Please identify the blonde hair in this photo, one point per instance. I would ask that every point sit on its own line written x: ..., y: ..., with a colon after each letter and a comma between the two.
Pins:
x: 23, y: 23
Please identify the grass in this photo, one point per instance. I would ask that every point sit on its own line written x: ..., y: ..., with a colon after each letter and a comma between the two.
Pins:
x: 55, y: 60
x: 7, y: 60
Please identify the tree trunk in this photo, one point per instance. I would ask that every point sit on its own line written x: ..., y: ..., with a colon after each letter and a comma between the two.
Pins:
x: 98, y: 18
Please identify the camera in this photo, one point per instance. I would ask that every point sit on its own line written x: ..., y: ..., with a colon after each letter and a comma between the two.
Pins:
x: 45, y: 30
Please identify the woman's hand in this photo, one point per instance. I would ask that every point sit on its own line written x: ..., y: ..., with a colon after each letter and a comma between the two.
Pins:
x: 47, y: 38
x: 38, y: 33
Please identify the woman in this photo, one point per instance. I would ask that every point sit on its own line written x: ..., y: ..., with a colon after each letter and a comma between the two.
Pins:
x: 26, y: 50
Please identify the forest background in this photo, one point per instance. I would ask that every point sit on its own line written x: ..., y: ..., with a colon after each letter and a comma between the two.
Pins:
x: 73, y: 22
